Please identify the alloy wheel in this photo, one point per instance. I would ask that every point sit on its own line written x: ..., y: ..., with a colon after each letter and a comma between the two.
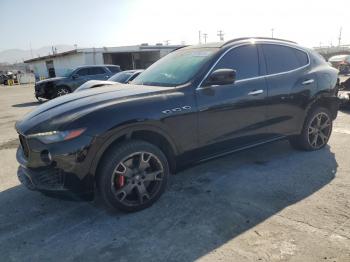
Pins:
x: 62, y: 92
x: 137, y: 178
x: 319, y: 130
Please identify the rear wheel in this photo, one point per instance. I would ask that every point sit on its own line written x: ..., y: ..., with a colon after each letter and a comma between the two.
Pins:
x: 133, y: 175
x: 316, y: 131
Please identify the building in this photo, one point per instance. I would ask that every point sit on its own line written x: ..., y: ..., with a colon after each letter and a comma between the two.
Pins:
x: 127, y: 57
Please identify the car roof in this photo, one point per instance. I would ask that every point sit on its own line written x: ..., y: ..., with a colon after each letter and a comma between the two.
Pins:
x: 132, y: 71
x: 88, y: 66
x: 337, y: 58
x: 242, y: 40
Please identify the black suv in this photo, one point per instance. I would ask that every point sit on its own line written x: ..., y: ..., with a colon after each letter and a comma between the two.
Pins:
x: 194, y: 104
x: 59, y: 86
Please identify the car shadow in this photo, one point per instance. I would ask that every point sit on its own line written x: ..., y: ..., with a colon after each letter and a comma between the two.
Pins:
x: 204, y: 207
x: 27, y: 104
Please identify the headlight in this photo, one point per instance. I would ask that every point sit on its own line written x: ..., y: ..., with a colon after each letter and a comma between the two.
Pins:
x: 57, y: 136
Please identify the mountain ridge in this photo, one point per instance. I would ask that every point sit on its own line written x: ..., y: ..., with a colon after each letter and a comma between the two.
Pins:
x: 17, y: 55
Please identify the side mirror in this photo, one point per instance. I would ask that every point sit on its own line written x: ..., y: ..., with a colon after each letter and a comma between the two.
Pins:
x: 220, y: 77
x: 75, y: 76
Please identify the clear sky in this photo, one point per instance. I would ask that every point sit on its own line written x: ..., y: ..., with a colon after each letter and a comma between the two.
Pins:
x: 100, y: 23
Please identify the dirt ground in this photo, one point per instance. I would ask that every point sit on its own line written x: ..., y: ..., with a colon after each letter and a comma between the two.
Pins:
x: 270, y: 203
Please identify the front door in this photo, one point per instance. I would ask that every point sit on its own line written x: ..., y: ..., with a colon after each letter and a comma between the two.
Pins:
x: 235, y: 114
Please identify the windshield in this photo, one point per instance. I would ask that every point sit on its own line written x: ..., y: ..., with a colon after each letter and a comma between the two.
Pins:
x: 176, y: 68
x: 68, y: 72
x: 120, y: 77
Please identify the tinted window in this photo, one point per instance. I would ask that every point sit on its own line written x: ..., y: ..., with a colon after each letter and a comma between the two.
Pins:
x: 113, y: 69
x: 83, y: 72
x: 243, y: 59
x: 282, y: 58
x: 134, y: 76
x: 121, y: 77
x: 302, y: 57
x: 96, y: 71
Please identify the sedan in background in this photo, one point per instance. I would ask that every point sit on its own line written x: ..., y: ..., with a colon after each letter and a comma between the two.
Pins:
x: 341, y: 62
x: 123, y: 77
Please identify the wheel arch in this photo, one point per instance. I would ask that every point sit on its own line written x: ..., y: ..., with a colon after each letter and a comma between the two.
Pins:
x: 327, y: 101
x: 64, y: 86
x: 151, y: 134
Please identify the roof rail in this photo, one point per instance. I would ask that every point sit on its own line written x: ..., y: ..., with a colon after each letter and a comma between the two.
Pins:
x: 246, y: 38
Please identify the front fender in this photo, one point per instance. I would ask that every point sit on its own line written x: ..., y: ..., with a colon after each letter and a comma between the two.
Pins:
x: 125, y: 132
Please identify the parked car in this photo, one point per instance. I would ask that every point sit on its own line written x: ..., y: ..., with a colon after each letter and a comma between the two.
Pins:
x: 59, y: 86
x: 194, y: 104
x: 341, y: 62
x: 3, y: 79
x: 344, y: 97
x: 123, y: 77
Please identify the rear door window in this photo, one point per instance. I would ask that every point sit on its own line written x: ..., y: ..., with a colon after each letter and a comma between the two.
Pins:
x: 243, y: 59
x: 282, y: 58
x: 302, y: 57
x: 96, y: 71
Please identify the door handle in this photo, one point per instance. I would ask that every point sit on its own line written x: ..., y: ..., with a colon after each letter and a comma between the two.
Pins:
x: 255, y: 92
x: 308, y: 81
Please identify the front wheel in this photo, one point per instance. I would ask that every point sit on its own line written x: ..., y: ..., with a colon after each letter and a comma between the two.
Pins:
x: 133, y: 175
x: 316, y: 131
x: 61, y: 91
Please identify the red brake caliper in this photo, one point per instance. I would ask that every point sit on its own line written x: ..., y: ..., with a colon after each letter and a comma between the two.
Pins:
x: 121, y: 181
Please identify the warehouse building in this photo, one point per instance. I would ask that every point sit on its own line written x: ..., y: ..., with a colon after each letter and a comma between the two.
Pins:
x: 127, y: 57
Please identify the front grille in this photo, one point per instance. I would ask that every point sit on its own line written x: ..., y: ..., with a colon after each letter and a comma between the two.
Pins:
x: 24, y: 145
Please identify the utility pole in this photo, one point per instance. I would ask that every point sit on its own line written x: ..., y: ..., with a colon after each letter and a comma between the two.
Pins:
x: 221, y: 35
x: 205, y: 37
x: 272, y: 30
x: 339, y: 38
x: 166, y: 42
x: 199, y: 37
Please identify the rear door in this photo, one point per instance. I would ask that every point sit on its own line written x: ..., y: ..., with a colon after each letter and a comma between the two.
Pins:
x: 234, y: 114
x: 290, y: 84
x: 98, y: 73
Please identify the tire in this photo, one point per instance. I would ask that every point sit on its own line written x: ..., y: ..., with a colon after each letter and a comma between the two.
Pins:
x: 129, y: 184
x: 61, y: 91
x: 315, y: 134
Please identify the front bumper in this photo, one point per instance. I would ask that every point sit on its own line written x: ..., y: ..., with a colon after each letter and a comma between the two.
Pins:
x: 68, y: 170
x: 41, y: 180
x: 44, y: 90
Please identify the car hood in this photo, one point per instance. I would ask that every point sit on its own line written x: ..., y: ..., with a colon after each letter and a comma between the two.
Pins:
x: 59, y: 112
x: 54, y: 79
x: 93, y: 83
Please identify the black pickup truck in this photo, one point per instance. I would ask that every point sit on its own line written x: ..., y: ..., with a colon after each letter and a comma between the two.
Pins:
x: 194, y: 104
